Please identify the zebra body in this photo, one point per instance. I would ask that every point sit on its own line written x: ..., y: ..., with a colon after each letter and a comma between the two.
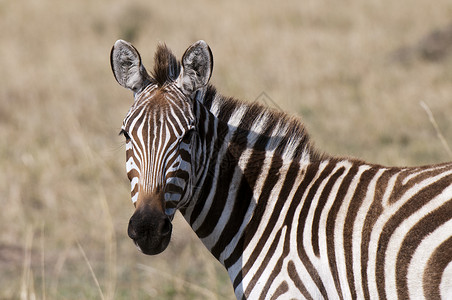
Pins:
x: 285, y: 220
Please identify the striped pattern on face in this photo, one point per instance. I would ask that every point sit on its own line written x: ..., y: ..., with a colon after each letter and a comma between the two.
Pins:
x: 155, y: 151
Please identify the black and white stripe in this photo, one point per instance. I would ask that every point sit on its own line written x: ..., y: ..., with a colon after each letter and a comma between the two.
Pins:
x: 285, y: 220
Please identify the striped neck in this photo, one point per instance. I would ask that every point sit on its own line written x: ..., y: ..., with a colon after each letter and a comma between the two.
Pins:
x: 239, y: 146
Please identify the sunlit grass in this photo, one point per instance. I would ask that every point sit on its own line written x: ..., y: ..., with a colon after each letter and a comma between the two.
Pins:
x: 65, y: 200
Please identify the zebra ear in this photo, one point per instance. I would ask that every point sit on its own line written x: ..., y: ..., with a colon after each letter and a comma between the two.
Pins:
x: 197, y: 65
x: 127, y: 67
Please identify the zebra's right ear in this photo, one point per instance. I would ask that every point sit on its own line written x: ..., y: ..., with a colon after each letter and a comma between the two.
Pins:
x: 127, y: 67
x: 197, y: 65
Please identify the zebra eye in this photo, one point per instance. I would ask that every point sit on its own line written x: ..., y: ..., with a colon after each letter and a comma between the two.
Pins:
x: 125, y: 134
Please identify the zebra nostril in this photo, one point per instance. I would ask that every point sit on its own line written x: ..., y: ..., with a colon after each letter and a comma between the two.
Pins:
x: 166, y: 227
x: 131, y: 231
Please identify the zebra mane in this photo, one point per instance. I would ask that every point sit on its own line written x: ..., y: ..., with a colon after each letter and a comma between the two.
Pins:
x: 289, y: 139
x: 166, y: 66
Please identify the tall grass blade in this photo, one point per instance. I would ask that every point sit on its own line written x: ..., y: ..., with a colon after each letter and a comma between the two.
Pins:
x: 91, y: 270
x: 436, y: 127
x: 27, y: 285
x: 43, y: 273
x: 208, y: 293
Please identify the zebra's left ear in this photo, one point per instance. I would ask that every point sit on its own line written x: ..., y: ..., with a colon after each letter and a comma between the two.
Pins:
x: 197, y: 65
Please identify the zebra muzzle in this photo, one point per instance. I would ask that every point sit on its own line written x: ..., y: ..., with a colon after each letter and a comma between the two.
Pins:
x: 150, y: 231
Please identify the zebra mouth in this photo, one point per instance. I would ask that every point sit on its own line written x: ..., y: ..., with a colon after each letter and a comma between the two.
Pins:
x: 147, y: 249
x: 152, y: 245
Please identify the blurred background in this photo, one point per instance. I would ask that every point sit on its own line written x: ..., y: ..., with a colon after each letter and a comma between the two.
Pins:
x: 355, y: 71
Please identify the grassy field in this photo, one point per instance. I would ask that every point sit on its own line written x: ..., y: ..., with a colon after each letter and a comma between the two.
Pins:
x: 356, y: 71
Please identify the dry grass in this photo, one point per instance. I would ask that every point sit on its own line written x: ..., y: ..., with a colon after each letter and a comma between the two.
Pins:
x: 65, y: 200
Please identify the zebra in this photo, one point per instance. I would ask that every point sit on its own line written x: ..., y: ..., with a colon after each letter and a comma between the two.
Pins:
x: 286, y: 220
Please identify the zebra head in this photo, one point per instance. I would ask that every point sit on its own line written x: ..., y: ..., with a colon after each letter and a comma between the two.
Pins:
x: 160, y: 133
